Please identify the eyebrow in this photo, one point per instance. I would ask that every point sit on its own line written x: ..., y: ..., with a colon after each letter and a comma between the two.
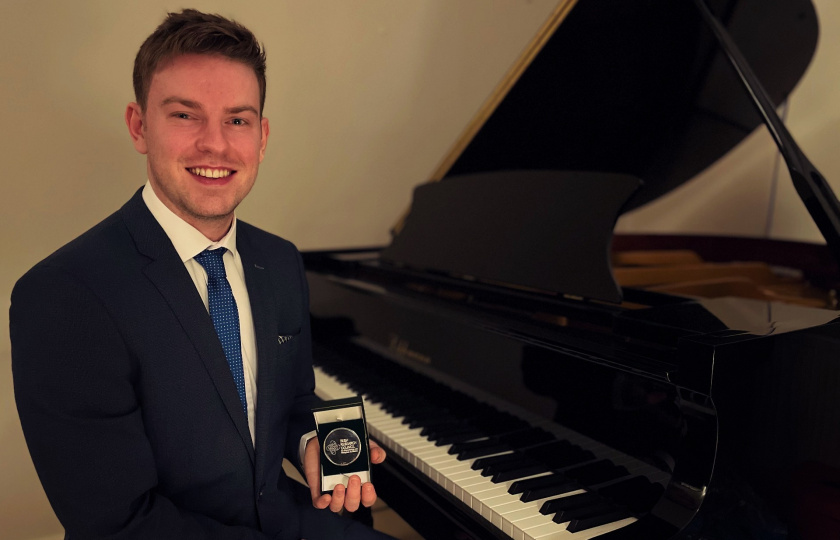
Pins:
x: 196, y: 105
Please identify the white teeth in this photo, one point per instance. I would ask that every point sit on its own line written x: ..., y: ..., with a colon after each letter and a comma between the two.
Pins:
x: 211, y: 173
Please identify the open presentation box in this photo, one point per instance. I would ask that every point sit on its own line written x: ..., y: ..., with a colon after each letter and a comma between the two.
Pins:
x: 343, y: 438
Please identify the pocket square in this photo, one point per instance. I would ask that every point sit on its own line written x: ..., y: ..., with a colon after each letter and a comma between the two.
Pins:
x: 283, y: 339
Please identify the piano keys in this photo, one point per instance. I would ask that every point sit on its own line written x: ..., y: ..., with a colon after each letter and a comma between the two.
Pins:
x: 523, y: 499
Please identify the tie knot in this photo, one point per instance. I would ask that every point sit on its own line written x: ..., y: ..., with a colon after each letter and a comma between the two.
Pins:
x: 212, y: 262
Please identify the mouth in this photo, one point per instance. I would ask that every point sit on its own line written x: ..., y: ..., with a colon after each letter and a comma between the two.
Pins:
x: 205, y: 172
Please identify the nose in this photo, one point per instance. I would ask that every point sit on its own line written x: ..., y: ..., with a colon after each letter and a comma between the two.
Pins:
x: 212, y: 138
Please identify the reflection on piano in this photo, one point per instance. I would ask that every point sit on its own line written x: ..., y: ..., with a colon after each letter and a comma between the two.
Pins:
x: 534, y: 377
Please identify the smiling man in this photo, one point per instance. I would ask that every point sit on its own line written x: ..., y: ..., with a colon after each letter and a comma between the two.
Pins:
x: 162, y: 360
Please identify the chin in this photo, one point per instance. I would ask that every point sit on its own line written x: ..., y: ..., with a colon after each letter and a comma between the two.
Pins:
x: 213, y: 207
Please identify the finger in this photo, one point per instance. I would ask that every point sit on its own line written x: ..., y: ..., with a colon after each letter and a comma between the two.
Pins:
x: 337, y: 502
x: 315, y: 493
x: 353, y: 494
x: 368, y: 495
x: 377, y: 453
x: 321, y: 502
x: 312, y: 470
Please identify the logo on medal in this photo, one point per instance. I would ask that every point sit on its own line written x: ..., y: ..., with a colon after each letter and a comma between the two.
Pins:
x: 342, y: 446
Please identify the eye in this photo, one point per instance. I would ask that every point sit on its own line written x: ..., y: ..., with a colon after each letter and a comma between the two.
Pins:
x: 238, y: 122
x: 181, y: 115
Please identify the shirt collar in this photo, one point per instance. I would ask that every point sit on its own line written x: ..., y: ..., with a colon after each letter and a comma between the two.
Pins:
x: 188, y: 240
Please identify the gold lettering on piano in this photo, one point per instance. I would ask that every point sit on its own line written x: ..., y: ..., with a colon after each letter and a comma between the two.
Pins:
x: 401, y: 347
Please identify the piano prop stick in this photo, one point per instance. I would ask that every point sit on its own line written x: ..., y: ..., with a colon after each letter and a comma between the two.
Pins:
x: 343, y: 438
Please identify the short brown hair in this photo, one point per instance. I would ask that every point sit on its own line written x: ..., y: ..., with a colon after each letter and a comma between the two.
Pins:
x: 194, y: 32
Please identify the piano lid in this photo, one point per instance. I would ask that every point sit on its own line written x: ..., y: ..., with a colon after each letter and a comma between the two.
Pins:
x: 635, y: 87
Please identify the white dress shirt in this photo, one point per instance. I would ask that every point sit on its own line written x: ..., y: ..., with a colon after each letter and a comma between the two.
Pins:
x: 189, y: 242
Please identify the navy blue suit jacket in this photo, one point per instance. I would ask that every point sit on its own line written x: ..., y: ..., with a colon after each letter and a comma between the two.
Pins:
x: 126, y: 400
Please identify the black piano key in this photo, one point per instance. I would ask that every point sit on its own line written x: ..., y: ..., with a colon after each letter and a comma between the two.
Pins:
x: 567, y: 503
x: 548, y: 448
x: 396, y: 410
x: 517, y: 462
x: 528, y: 437
x: 457, y: 448
x: 559, y: 454
x: 442, y: 427
x: 478, y: 448
x: 637, y: 494
x: 582, y: 524
x: 424, y: 413
x: 389, y: 400
x: 400, y: 406
x: 428, y: 425
x: 487, y: 451
x: 597, y: 472
x: 498, y: 429
x: 424, y: 418
x: 519, y: 472
x: 584, y: 512
x: 484, y: 462
x: 534, y: 483
x: 568, y: 459
x: 530, y: 495
x: 500, y: 443
x: 458, y: 436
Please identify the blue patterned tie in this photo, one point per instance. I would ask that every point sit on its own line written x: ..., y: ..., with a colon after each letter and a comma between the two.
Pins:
x: 225, y: 315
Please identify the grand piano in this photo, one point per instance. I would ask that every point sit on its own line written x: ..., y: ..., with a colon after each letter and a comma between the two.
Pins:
x: 535, y: 376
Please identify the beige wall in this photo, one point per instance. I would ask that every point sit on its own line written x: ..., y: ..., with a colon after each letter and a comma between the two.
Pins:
x: 364, y: 99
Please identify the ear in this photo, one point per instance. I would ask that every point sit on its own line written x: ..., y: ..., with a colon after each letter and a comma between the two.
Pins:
x: 136, y: 128
x: 263, y: 136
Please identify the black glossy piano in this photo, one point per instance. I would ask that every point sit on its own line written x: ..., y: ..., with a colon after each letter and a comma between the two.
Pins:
x: 534, y: 376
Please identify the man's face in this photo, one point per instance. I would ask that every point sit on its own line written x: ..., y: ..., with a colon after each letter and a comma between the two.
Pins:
x: 203, y: 137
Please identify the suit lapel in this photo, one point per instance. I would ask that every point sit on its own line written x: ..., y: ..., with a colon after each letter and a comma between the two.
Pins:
x: 167, y: 272
x: 269, y: 288
x: 264, y: 315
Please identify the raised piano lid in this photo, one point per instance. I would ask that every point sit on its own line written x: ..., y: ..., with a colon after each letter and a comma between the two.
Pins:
x: 639, y: 89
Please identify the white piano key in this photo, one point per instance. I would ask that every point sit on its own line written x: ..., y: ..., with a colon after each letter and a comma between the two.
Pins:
x: 557, y: 531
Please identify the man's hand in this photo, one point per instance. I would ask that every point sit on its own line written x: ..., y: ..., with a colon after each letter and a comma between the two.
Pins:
x: 350, y: 497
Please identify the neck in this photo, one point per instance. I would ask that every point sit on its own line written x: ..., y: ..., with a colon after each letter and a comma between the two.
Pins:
x: 213, y: 228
